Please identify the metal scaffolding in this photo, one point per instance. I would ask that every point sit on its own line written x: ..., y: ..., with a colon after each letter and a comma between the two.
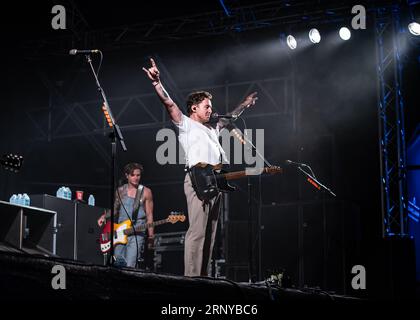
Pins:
x: 148, y: 107
x: 221, y: 22
x: 391, y: 122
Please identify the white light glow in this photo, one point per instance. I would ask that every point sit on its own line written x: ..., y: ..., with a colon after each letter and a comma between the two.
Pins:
x: 345, y: 33
x: 291, y: 42
x: 414, y: 28
x: 314, y: 36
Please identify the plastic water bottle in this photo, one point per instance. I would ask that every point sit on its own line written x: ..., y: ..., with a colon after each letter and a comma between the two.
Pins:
x: 91, y: 200
x: 26, y: 200
x: 22, y: 200
x: 65, y: 193
x: 19, y: 199
x: 61, y: 193
x: 13, y: 199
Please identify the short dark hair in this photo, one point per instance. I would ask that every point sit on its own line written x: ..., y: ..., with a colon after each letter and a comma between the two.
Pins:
x: 195, y: 98
x: 130, y: 167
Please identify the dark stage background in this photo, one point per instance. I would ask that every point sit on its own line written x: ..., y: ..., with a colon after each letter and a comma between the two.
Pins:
x: 317, y: 105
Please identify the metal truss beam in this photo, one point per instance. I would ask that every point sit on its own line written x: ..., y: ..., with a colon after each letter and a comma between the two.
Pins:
x: 242, y: 18
x: 148, y: 103
x: 391, y: 122
x: 70, y: 114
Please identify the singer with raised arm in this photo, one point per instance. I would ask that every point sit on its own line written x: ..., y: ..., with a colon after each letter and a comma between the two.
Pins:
x: 199, y: 139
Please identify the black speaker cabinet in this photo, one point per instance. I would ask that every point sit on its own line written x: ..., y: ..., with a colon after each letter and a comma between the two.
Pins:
x: 391, y: 269
x: 77, y: 229
x: 65, y: 222
x: 238, y: 273
x: 237, y: 255
x: 280, y: 241
x: 169, y: 261
x: 169, y: 253
x: 87, y: 233
x: 28, y: 229
x: 236, y: 248
x: 314, y: 242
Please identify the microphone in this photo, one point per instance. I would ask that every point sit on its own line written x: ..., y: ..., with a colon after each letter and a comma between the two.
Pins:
x: 76, y: 51
x: 290, y: 162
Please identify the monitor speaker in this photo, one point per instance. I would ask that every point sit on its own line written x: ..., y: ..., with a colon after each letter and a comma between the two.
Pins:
x: 65, y: 222
x: 77, y: 229
x: 88, y: 233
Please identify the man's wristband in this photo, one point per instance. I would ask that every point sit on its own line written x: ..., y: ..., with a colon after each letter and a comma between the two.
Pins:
x: 155, y: 83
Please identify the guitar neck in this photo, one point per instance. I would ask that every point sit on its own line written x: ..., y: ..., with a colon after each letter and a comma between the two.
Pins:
x: 143, y: 227
x: 240, y: 174
x: 234, y: 175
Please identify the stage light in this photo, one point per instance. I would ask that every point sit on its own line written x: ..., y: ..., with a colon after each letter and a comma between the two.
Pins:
x: 345, y: 33
x: 314, y: 36
x: 291, y: 42
x: 414, y: 28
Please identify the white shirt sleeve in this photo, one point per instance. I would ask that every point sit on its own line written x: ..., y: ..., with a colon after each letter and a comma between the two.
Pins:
x: 183, y: 124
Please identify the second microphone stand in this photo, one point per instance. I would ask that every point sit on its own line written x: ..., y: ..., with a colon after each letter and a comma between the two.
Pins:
x: 246, y: 141
x: 310, y: 177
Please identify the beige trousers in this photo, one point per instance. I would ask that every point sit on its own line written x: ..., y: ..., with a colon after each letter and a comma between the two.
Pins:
x: 201, y: 233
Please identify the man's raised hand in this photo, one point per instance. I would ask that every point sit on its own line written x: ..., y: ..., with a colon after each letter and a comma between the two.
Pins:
x: 152, y: 72
x: 250, y: 100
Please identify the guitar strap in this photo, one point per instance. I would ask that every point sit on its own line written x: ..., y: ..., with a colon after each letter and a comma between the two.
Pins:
x: 192, y: 176
x: 138, y: 201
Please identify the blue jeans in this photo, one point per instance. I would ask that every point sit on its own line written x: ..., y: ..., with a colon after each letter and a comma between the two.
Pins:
x: 127, y: 255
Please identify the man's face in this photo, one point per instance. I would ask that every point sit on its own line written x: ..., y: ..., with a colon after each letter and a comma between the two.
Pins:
x: 203, y: 110
x: 134, y: 177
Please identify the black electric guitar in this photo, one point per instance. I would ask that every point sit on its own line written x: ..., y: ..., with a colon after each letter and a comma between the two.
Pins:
x: 11, y: 162
x: 209, y: 180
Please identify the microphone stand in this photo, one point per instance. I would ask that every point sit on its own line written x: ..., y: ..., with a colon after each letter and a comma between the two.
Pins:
x: 313, y: 181
x: 114, y: 135
x: 251, y: 276
x: 318, y: 185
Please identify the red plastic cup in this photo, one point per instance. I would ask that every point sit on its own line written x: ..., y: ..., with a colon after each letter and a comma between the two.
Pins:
x: 79, y: 195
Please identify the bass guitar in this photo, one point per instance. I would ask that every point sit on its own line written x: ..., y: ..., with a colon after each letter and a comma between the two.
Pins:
x: 125, y: 229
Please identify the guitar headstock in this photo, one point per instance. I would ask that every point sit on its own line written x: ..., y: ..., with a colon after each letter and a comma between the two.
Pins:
x: 175, y: 216
x: 12, y: 162
x: 274, y: 169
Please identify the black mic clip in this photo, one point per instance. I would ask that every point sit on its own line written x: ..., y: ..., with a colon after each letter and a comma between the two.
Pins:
x: 76, y: 51
x: 290, y: 162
